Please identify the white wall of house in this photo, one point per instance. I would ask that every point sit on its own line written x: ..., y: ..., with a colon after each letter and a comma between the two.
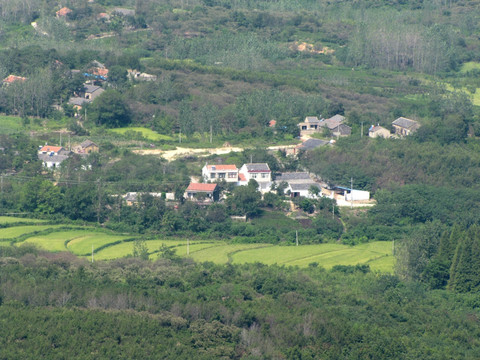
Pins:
x: 260, y: 176
x: 357, y: 195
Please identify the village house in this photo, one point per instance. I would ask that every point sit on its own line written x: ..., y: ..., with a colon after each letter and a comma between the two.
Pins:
x: 347, y: 196
x: 298, y: 184
x: 200, y: 192
x: 52, y: 156
x: 92, y: 92
x: 341, y: 130
x: 86, y: 147
x: 311, y: 125
x: 63, y: 12
x: 260, y: 172
x: 10, y: 79
x: 212, y: 173
x: 404, y: 126
x: 379, y: 131
x: 307, y: 145
x: 132, y: 198
x: 137, y: 75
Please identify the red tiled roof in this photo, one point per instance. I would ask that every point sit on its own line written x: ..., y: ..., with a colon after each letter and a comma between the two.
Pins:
x: 242, y: 177
x: 100, y: 72
x: 201, y: 187
x: 222, y: 167
x: 272, y: 123
x: 63, y: 11
x: 12, y: 78
x: 49, y: 148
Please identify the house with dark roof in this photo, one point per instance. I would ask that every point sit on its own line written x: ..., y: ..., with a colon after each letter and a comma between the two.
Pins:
x: 260, y: 172
x: 86, y: 147
x: 310, y: 144
x: 298, y: 184
x: 212, y: 173
x: 52, y: 161
x: 404, y: 126
x: 200, y: 192
x: 92, y: 91
x: 341, y: 130
x: 303, y: 190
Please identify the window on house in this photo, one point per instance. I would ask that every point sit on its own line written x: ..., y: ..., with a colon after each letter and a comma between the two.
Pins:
x: 264, y: 176
x: 221, y: 175
x: 304, y: 127
x: 254, y: 176
x: 212, y: 176
x: 232, y: 175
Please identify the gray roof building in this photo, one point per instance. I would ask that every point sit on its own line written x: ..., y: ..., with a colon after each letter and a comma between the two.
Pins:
x: 293, y: 176
x: 257, y: 167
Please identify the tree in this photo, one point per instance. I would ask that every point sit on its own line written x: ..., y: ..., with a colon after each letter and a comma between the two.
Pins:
x: 117, y: 76
x: 140, y: 249
x: 245, y: 200
x: 110, y: 109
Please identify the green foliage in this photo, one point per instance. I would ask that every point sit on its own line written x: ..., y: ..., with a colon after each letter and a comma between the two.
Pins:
x: 140, y: 249
x: 109, y: 109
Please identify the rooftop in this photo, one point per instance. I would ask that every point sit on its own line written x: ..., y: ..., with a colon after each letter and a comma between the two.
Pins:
x: 201, y: 187
x: 221, y: 167
x: 405, y: 123
x: 257, y: 167
x: 50, y: 148
x: 293, y: 176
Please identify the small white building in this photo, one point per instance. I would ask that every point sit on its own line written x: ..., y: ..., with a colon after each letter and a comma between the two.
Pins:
x: 229, y: 173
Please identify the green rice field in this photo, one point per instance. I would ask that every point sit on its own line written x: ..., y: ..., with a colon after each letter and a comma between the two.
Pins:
x: 109, y: 245
x: 4, y: 220
x: 10, y: 233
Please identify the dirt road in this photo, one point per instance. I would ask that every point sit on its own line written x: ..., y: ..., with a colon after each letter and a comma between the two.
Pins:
x: 179, y: 152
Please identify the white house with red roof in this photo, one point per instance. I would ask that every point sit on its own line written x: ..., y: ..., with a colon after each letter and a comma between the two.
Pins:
x: 201, y: 192
x: 212, y: 173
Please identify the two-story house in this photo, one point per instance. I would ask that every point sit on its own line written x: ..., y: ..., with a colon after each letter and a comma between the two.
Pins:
x: 213, y: 173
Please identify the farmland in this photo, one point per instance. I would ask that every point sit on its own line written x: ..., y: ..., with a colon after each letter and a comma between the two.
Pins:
x: 109, y: 245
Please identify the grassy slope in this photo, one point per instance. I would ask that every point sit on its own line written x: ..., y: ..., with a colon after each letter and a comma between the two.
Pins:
x: 146, y: 133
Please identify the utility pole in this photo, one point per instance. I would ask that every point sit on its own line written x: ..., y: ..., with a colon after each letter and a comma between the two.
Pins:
x: 69, y: 144
x: 92, y: 253
x: 333, y: 210
x: 361, y: 134
x: 99, y: 200
x: 351, y: 193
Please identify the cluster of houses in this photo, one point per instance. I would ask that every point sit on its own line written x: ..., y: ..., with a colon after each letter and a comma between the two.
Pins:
x: 52, y: 156
x: 335, y: 127
x: 295, y: 184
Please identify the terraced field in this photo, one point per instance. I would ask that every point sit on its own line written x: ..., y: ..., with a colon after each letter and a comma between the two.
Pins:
x: 4, y: 220
x: 10, y: 233
x: 109, y: 245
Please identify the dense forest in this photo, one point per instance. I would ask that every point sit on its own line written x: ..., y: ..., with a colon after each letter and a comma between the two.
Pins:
x: 213, y: 74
